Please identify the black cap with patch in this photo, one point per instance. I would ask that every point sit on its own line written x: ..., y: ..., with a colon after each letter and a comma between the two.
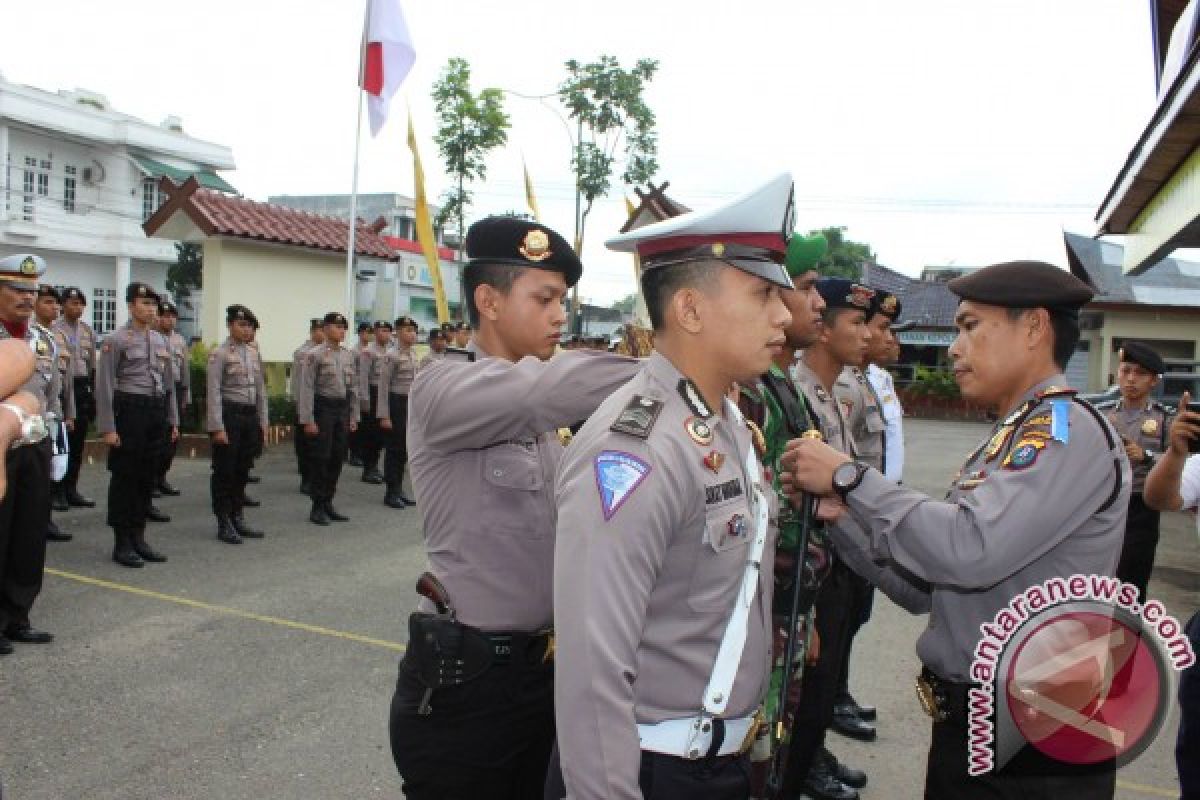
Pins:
x: 1023, y: 284
x: 315, y: 323
x: 383, y: 324
x: 74, y: 293
x: 437, y: 333
x: 167, y: 307
x: 844, y: 293
x: 521, y: 243
x: 46, y: 290
x: 364, y: 327
x: 137, y: 290
x: 237, y: 312
x: 407, y: 322
x: 334, y: 318
x: 1143, y: 356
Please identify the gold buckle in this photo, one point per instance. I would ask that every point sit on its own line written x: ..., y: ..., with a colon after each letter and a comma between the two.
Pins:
x: 927, y: 696
x: 756, y: 725
x: 548, y: 656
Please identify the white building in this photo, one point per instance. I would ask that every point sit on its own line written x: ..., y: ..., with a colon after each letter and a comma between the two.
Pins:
x: 78, y: 181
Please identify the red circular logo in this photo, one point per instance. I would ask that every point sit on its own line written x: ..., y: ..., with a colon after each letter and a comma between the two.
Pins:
x: 1085, y: 687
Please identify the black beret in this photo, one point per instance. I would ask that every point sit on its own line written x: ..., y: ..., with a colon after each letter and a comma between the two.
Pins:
x: 382, y: 324
x: 167, y: 307
x: 334, y: 318
x: 885, y: 303
x: 362, y: 326
x: 1023, y: 284
x: 73, y: 293
x: 1143, y: 356
x: 237, y: 312
x: 315, y: 323
x: 46, y: 290
x: 844, y: 293
x: 407, y: 322
x: 521, y: 243
x: 137, y: 289
x: 436, y: 333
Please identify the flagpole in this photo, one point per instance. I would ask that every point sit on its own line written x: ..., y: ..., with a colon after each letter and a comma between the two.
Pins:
x: 353, y: 214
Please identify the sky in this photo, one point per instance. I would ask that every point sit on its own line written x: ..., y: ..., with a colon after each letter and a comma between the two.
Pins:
x: 936, y: 131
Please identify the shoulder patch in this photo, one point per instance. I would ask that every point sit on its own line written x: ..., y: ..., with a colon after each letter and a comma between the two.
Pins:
x: 618, y: 474
x: 1024, y: 454
x: 639, y: 417
x: 460, y: 354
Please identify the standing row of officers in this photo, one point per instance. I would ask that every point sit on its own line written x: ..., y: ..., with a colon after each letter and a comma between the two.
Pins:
x: 644, y: 581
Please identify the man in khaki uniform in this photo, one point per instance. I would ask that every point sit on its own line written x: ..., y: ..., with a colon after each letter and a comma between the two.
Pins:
x: 316, y: 336
x: 437, y: 348
x: 181, y: 363
x: 370, y: 365
x: 327, y: 406
x: 45, y: 312
x: 82, y: 342
x: 398, y: 367
x: 1044, y: 496
x: 472, y: 716
x: 664, y: 560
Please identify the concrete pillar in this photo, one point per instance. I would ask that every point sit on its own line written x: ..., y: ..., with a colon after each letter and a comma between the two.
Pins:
x: 123, y: 279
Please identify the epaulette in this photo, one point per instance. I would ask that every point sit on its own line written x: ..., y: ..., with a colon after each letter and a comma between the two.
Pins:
x: 1106, y: 404
x: 460, y: 354
x: 1055, y: 391
x: 638, y: 418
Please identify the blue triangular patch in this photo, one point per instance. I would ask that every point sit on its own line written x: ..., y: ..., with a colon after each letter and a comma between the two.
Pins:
x: 617, y: 475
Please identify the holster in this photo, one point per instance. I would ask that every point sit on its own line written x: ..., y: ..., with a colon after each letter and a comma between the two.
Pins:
x: 445, y: 652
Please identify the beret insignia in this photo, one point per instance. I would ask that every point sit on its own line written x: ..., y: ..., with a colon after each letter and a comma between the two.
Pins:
x: 536, y: 246
x: 889, y: 304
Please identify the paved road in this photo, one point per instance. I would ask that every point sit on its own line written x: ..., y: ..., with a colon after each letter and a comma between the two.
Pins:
x: 264, y: 670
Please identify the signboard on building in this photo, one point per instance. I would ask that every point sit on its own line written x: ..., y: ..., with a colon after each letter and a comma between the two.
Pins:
x: 927, y: 338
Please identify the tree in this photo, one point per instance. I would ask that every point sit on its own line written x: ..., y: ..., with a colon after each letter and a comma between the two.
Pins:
x: 187, y: 272
x: 626, y: 304
x: 607, y: 105
x: 469, y: 127
x: 845, y: 257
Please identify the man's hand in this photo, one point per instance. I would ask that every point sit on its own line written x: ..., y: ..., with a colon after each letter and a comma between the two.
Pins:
x: 386, y: 424
x: 1184, y: 428
x: 353, y: 426
x: 829, y: 508
x: 112, y: 439
x: 808, y: 466
x: 311, y: 429
x: 220, y: 437
x: 1135, y: 454
x: 174, y: 434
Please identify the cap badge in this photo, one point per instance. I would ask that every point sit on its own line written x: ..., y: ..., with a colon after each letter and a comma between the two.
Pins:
x: 699, y: 430
x: 860, y: 296
x: 1150, y: 427
x: 714, y: 461
x: 888, y: 305
x: 718, y: 249
x: 536, y: 246
x: 29, y: 266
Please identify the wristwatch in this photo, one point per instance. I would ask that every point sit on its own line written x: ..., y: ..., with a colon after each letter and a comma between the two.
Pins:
x: 847, y: 477
x: 33, y: 426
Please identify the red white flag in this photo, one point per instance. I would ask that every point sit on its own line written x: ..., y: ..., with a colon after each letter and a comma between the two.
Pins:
x: 387, y: 57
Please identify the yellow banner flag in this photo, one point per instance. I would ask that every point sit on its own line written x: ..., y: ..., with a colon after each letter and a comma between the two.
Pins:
x: 425, y: 228
x: 529, y: 197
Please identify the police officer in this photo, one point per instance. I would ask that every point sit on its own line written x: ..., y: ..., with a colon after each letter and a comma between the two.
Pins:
x: 25, y: 507
x: 482, y: 430
x: 390, y: 405
x: 168, y: 319
x: 462, y: 335
x: 370, y: 364
x: 1143, y: 425
x: 137, y: 416
x: 81, y: 340
x: 1043, y: 496
x: 663, y: 525
x: 883, y: 351
x: 236, y: 423
x: 327, y: 405
x: 354, y: 449
x: 45, y: 311
x: 437, y: 348
x: 316, y: 336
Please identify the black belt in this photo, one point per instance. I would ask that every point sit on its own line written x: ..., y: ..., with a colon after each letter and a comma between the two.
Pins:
x: 333, y: 402
x: 140, y: 400
x: 398, y: 394
x: 942, y: 699
x: 534, y: 648
x: 239, y: 408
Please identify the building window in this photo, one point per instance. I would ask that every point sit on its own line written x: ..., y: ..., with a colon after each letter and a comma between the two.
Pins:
x: 69, y: 188
x: 104, y: 310
x: 43, y: 179
x: 27, y: 181
x: 152, y: 197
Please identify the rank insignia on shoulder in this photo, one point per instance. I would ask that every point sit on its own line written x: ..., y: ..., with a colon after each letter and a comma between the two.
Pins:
x: 691, y: 396
x: 1149, y: 427
x: 1055, y: 391
x: 1012, y: 418
x: 1040, y: 419
x: 699, y: 430
x: 997, y: 443
x: 639, y: 417
x: 459, y: 354
x: 1024, y: 454
x: 618, y: 474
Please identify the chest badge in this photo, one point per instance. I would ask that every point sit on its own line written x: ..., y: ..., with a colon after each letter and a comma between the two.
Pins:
x: 565, y: 436
x: 699, y: 430
x: 1150, y: 427
x: 714, y: 461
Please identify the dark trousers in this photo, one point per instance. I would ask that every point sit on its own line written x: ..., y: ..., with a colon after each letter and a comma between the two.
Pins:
x: 1141, y: 540
x: 1029, y: 776
x: 85, y: 415
x: 24, y: 514
x: 1187, y: 744
x: 231, y: 462
x: 395, y: 457
x: 370, y: 434
x: 169, y: 453
x: 327, y: 450
x: 862, y: 600
x: 141, y: 422
x: 818, y: 689
x: 663, y: 777
x: 487, y: 739
x: 300, y: 442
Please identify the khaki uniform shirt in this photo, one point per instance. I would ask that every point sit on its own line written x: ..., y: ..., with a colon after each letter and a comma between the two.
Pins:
x: 235, y: 375
x: 864, y: 417
x: 1145, y: 427
x: 81, y: 340
x: 431, y: 357
x: 134, y: 362
x: 398, y: 368
x: 297, y: 357
x: 825, y: 406
x: 66, y: 363
x: 46, y: 381
x: 1031, y: 503
x: 180, y: 362
x: 370, y: 364
x: 330, y: 371
x: 484, y: 454
x: 653, y: 536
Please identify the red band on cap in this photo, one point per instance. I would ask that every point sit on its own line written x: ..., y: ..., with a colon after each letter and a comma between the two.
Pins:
x: 767, y: 241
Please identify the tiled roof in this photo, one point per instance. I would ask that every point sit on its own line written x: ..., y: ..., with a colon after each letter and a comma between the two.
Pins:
x: 409, y: 246
x: 1170, y: 282
x: 929, y: 303
x: 218, y: 214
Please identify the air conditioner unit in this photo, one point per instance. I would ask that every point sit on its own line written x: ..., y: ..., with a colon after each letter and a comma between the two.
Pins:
x: 93, y: 174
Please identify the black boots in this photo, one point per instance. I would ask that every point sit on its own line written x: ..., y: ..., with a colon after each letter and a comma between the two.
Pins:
x: 156, y: 514
x: 372, y: 476
x: 243, y: 528
x: 144, y: 550
x: 333, y: 514
x: 317, y: 516
x: 123, y: 552
x: 76, y: 500
x: 58, y: 497
x: 56, y: 534
x: 394, y: 499
x: 226, y: 532
x: 166, y: 488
